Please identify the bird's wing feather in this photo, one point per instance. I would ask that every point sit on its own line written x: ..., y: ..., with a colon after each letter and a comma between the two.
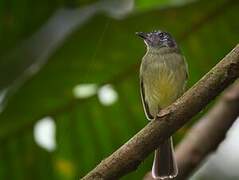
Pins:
x: 186, y: 68
x: 145, y: 104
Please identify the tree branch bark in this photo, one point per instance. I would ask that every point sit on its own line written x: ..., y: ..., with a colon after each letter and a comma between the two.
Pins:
x: 206, y: 135
x: 131, y: 154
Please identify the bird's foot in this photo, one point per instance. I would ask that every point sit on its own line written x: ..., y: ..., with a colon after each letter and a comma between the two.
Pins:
x: 163, y: 113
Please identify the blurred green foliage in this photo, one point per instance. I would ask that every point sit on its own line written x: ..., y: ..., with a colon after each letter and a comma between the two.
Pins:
x: 100, y: 49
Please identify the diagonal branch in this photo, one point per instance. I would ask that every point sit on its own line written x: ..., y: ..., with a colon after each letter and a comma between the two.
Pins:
x: 207, y: 134
x: 131, y: 154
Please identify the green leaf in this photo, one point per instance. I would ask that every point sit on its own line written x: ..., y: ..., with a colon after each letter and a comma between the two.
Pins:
x: 105, y: 50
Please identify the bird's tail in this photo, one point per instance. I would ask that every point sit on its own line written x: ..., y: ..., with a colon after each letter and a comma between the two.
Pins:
x: 164, y: 165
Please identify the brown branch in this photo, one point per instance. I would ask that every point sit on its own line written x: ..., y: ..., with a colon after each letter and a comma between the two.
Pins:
x: 206, y: 135
x: 131, y: 154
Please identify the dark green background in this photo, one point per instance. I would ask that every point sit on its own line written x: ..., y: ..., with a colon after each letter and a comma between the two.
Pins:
x: 102, y: 49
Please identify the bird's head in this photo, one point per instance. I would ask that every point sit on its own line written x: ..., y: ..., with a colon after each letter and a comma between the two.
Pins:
x: 157, y: 39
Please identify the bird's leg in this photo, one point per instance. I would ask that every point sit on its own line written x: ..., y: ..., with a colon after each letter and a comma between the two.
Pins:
x: 163, y: 113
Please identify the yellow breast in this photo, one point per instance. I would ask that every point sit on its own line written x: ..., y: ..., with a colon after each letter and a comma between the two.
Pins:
x: 163, y: 85
x: 162, y: 88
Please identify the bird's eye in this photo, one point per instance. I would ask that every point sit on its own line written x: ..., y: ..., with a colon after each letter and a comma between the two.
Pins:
x: 164, y: 36
x: 161, y: 35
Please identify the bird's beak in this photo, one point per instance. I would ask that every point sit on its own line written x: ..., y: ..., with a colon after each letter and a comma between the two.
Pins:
x: 143, y: 35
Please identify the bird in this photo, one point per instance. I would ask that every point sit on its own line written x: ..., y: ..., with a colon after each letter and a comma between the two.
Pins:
x: 163, y: 77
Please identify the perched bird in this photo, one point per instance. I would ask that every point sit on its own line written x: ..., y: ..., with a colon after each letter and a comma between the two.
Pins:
x: 163, y: 76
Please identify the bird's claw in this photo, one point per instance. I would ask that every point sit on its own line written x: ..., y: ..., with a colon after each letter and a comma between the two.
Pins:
x: 163, y: 113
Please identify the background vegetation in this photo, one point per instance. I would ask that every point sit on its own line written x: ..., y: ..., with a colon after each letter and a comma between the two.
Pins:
x: 51, y: 51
